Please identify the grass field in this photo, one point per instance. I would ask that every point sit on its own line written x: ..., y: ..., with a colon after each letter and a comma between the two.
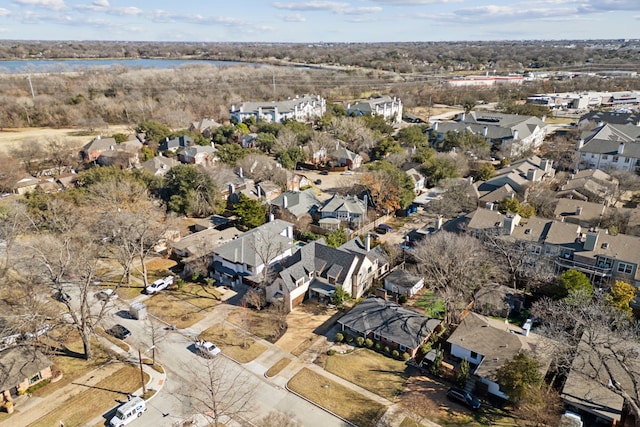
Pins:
x: 239, y: 348
x: 340, y: 400
x: 277, y: 367
x: 80, y: 409
x: 379, y: 374
x: 173, y: 310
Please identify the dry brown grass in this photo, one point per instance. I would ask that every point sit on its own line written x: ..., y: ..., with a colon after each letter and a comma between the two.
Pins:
x: 173, y: 310
x: 239, y: 348
x: 278, y: 366
x: 203, y: 296
x: 340, y: 400
x: 128, y: 292
x: 372, y: 371
x: 80, y: 409
x: 259, y: 323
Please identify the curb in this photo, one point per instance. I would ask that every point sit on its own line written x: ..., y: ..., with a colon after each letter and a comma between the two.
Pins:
x: 286, y: 386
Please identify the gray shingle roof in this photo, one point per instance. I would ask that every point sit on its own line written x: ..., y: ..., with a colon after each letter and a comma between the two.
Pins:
x: 338, y: 203
x: 298, y: 202
x: 389, y: 320
x: 19, y: 363
x: 607, y: 138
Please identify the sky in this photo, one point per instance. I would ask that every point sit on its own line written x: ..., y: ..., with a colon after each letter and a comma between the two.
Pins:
x: 315, y: 21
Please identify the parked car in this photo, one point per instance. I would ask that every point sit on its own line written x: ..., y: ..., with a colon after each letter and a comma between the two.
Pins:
x: 464, y: 397
x: 318, y: 181
x: 159, y: 285
x: 347, y: 173
x: 383, y: 228
x: 106, y: 295
x: 207, y: 349
x: 324, y: 172
x: 119, y: 331
x: 62, y: 296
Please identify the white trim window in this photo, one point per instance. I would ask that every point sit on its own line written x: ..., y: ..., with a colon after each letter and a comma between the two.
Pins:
x: 625, y: 268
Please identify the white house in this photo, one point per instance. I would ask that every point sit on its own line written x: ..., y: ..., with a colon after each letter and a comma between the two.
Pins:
x: 301, y: 108
x: 385, y: 106
x: 610, y: 147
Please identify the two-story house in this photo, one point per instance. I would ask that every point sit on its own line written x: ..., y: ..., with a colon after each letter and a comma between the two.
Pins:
x: 248, y: 255
x: 347, y: 209
x: 301, y: 108
x: 610, y: 147
x: 390, y: 108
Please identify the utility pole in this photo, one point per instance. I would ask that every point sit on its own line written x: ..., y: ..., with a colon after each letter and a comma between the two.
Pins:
x: 33, y: 95
x: 274, y: 85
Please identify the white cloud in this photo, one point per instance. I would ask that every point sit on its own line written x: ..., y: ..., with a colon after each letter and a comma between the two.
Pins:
x: 414, y: 2
x: 339, y: 8
x: 296, y: 17
x: 4, y: 12
x: 47, y: 4
x: 126, y: 11
x: 101, y: 3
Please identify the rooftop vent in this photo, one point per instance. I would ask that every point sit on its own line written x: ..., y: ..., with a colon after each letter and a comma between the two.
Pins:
x: 527, y: 231
x: 605, y: 245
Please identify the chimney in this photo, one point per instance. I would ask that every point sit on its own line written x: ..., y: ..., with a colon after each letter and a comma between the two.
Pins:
x: 578, y: 210
x: 285, y: 202
x: 489, y: 205
x: 439, y: 221
x: 232, y: 189
x: 99, y: 137
x: 510, y: 223
x: 111, y: 147
x: 580, y: 143
x: 621, y: 148
x: 271, y: 217
x: 591, y: 240
x: 600, y: 124
x: 435, y: 126
x: 543, y: 118
x: 461, y: 117
x: 545, y: 165
x: 515, y: 134
x: 533, y: 175
x: 367, y: 242
x: 485, y: 130
x: 240, y: 173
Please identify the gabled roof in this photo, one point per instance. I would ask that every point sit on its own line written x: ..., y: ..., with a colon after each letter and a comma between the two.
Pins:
x: 402, y: 278
x: 197, y: 149
x: 180, y: 141
x: 578, y: 211
x: 496, y: 345
x: 376, y: 253
x: 204, y: 124
x: 19, y: 363
x: 607, y: 138
x: 390, y: 320
x: 343, y: 153
x: 159, y: 164
x: 612, y: 117
x: 339, y: 203
x: 298, y: 202
x: 99, y: 144
x: 265, y: 240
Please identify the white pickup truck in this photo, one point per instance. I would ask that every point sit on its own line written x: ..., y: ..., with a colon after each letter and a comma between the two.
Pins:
x: 159, y: 285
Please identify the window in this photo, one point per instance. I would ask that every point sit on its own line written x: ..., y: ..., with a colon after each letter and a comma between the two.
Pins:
x: 35, y: 378
x: 626, y: 159
x: 474, y: 355
x: 402, y: 348
x: 376, y: 336
x: 615, y: 159
x: 625, y: 268
x: 536, y: 250
x: 605, y: 157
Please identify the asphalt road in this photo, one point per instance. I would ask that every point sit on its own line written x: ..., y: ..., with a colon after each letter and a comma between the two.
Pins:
x: 173, y: 404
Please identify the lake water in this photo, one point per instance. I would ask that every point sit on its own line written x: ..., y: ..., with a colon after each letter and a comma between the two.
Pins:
x: 66, y: 65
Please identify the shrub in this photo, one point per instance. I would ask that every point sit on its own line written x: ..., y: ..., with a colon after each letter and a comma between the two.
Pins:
x: 38, y: 385
x: 331, y: 352
x: 406, y: 356
x: 339, y: 337
x: 195, y: 276
x: 378, y: 346
x: 395, y: 353
x: 387, y: 349
x: 179, y: 283
x: 402, y: 299
x: 349, y: 339
x: 360, y: 341
x: 368, y: 343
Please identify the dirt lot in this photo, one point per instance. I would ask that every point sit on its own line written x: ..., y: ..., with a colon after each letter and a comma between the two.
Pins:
x: 11, y: 138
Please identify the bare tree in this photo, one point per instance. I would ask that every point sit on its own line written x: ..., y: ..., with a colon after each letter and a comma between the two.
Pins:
x: 456, y: 267
x: 219, y: 391
x: 155, y: 333
x: 599, y: 342
x: 30, y: 154
x: 278, y: 419
x: 10, y: 173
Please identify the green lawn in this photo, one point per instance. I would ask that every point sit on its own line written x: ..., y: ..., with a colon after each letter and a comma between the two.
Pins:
x: 433, y: 307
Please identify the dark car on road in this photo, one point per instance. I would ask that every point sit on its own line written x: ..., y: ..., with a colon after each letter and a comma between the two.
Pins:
x: 464, y: 397
x: 119, y: 331
x: 324, y: 172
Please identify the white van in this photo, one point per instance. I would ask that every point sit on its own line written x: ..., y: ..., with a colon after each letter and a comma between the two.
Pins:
x: 128, y: 412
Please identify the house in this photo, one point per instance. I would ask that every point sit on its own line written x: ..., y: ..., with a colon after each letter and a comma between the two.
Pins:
x: 610, y: 147
x: 295, y: 204
x: 513, y: 134
x: 385, y: 106
x: 92, y: 150
x: 586, y: 391
x: 316, y: 270
x: 205, y: 127
x: 214, y: 221
x: 26, y: 184
x: 159, y: 165
x: 194, y: 250
x: 390, y: 324
x: 67, y: 179
x: 20, y: 368
x: 401, y: 282
x: 603, y: 257
x: 601, y: 117
x: 250, y: 253
x: 490, y: 199
x: 585, y: 214
x: 591, y: 185
x: 248, y: 140
x: 344, y: 208
x: 487, y: 344
x: 125, y: 155
x: 519, y: 175
x: 267, y: 190
x: 296, y: 181
x: 198, y: 155
x: 176, y: 143
x: 419, y: 181
x: 343, y: 157
x: 301, y: 108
